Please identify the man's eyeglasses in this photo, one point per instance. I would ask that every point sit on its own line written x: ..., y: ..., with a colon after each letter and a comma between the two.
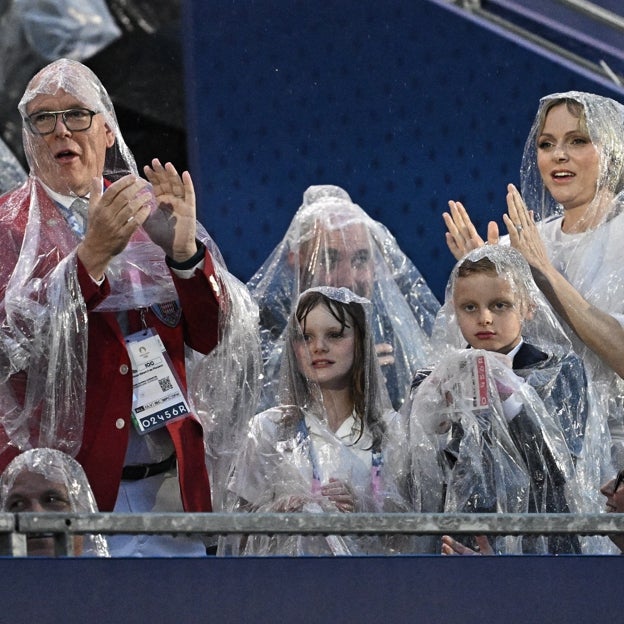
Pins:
x: 618, y: 481
x: 75, y: 120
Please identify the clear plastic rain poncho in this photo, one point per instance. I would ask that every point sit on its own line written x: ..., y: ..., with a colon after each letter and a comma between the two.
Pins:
x: 224, y: 386
x: 58, y: 469
x: 291, y: 452
x: 591, y: 258
x: 11, y: 172
x: 43, y: 315
x: 486, y: 437
x: 332, y: 242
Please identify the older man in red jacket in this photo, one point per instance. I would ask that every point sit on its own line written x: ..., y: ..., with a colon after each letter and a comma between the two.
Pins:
x: 98, y: 264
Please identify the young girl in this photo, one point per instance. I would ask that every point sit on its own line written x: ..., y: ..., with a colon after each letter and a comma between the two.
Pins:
x: 332, y: 445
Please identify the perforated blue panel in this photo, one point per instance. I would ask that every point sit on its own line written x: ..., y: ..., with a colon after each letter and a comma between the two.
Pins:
x: 404, y: 104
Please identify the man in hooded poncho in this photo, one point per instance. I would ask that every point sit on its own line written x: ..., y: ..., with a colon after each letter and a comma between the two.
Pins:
x: 95, y: 260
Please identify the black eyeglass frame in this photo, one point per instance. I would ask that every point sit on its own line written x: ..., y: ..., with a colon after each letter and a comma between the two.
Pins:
x: 63, y: 114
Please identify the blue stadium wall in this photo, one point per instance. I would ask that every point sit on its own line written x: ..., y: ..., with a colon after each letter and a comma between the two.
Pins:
x: 404, y: 104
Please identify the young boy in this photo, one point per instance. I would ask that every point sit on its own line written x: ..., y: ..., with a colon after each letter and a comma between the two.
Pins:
x: 502, y: 417
x: 495, y: 299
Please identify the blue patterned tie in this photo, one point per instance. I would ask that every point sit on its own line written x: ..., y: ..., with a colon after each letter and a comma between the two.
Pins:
x: 79, y: 208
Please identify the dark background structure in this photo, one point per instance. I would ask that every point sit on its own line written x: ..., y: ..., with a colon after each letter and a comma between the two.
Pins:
x: 404, y: 104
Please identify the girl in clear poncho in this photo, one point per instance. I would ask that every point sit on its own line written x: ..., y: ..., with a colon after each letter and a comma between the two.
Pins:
x: 569, y: 225
x: 333, y: 445
x: 501, y: 424
x: 332, y: 242
x: 46, y: 480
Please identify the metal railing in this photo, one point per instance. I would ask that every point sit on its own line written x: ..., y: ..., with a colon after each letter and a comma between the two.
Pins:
x: 595, y: 12
x: 487, y: 11
x: 584, y: 7
x: 14, y: 528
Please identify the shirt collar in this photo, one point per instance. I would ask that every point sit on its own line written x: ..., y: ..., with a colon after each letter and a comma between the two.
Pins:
x: 348, y: 429
x: 65, y: 200
x: 514, y: 351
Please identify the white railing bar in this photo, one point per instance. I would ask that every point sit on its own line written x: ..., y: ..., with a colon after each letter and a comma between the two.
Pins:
x: 308, y: 524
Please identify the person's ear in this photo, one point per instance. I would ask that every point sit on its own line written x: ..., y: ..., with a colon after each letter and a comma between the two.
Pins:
x: 110, y: 136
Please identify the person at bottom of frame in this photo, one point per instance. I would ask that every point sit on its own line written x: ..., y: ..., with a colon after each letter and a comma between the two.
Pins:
x: 334, y: 445
x: 46, y: 480
x: 475, y: 421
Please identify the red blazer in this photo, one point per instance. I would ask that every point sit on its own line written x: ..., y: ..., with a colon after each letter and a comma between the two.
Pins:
x: 109, y: 372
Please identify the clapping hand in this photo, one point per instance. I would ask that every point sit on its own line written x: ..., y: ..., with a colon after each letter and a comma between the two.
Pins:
x: 114, y: 216
x: 462, y: 235
x: 523, y: 233
x: 172, y: 223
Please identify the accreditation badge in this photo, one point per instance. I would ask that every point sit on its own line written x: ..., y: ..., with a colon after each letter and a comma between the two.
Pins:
x: 157, y: 395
